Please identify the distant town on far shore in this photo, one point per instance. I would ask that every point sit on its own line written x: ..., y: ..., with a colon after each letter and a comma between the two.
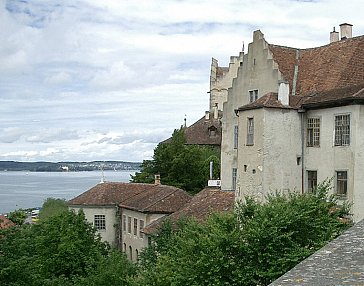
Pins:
x: 68, y: 166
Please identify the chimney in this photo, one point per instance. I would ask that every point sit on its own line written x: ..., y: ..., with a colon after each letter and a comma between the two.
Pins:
x: 157, y: 179
x: 283, y: 92
x: 216, y: 111
x: 207, y: 115
x: 346, y: 31
x: 334, y: 36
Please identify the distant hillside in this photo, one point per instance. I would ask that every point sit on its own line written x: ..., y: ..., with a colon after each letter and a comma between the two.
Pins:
x: 67, y: 166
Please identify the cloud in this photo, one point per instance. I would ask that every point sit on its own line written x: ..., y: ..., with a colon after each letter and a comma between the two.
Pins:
x: 89, y: 79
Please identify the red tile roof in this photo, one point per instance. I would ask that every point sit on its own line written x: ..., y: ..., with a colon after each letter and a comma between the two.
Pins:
x: 5, y: 222
x: 208, y: 201
x: 141, y: 197
x: 331, y: 75
x: 270, y: 100
x: 201, y: 132
x: 336, y: 65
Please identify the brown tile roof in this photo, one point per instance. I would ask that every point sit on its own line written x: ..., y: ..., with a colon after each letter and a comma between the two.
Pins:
x: 141, y: 197
x: 336, y: 97
x: 209, y: 200
x: 336, y: 65
x: 270, y: 100
x: 5, y: 222
x: 199, y: 133
x: 331, y: 75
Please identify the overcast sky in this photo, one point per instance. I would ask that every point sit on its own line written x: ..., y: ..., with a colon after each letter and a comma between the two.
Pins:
x: 109, y: 79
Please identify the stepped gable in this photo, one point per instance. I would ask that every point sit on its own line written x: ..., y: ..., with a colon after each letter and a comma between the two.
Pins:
x: 210, y: 200
x: 136, y: 196
x: 336, y: 65
x: 5, y: 222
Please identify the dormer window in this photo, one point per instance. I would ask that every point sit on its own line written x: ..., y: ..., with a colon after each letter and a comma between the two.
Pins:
x: 212, y: 131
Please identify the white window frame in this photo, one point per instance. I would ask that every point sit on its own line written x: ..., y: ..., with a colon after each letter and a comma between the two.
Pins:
x: 313, y: 132
x: 311, y: 184
x: 250, y: 131
x: 100, y: 222
x: 236, y: 136
x: 234, y: 176
x: 342, y: 129
x: 342, y: 183
x: 253, y: 95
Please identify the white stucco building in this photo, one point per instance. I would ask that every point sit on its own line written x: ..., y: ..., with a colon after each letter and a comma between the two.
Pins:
x: 294, y: 117
x: 120, y: 211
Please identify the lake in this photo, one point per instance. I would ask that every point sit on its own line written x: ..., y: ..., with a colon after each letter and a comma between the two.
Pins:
x: 30, y: 189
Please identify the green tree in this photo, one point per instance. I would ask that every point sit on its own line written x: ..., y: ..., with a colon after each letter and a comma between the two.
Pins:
x: 18, y: 216
x: 58, y: 250
x: 252, y: 246
x: 112, y: 270
x: 51, y: 207
x: 180, y: 165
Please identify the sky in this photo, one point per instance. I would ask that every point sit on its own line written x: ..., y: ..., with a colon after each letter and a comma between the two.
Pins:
x: 85, y: 80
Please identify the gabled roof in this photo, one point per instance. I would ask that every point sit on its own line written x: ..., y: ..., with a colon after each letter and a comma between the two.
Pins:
x: 270, y: 100
x: 5, y: 222
x: 336, y: 65
x: 202, y: 205
x: 199, y: 133
x: 327, y: 76
x: 336, y: 97
x: 149, y: 198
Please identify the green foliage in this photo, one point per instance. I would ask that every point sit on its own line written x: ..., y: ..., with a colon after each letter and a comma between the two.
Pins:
x: 18, y: 216
x: 52, y: 207
x: 59, y: 250
x: 253, y: 246
x: 112, y: 270
x: 180, y: 165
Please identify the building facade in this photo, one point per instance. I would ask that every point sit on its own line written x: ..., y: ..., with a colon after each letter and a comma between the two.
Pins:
x: 120, y: 211
x: 293, y: 118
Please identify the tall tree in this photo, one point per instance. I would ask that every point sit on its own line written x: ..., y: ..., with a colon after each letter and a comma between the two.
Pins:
x: 180, y: 165
x: 253, y: 246
x: 62, y: 249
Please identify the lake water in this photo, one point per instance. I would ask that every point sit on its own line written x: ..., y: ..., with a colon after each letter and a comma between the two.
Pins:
x: 30, y: 189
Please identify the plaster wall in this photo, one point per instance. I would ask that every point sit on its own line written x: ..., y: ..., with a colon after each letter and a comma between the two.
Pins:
x: 219, y: 85
x: 272, y: 163
x: 132, y: 244
x: 257, y: 72
x: 327, y: 159
x: 111, y: 221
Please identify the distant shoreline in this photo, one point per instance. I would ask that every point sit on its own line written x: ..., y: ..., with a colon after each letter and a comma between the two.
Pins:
x: 69, y: 166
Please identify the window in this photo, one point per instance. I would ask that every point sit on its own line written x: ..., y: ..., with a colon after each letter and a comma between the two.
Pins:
x: 236, y: 134
x: 234, y: 176
x: 313, y: 132
x: 342, y: 183
x: 250, y: 133
x: 253, y: 95
x: 135, y: 226
x: 99, y: 222
x: 311, y: 180
x: 342, y: 130
x: 124, y: 222
x: 129, y: 224
x: 130, y: 253
x: 141, y: 227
